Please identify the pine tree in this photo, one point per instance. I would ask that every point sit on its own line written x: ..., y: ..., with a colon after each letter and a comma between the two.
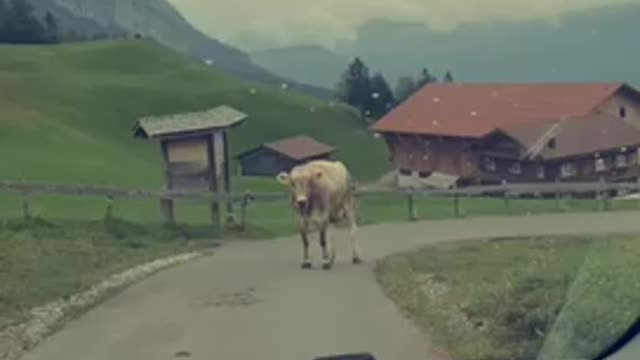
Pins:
x: 448, y: 78
x: 51, y: 25
x: 382, y: 99
x: 405, y: 87
x: 355, y: 86
x: 426, y: 78
x: 4, y: 21
x: 22, y: 25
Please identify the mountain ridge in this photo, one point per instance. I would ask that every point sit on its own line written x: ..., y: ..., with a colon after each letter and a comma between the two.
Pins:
x: 161, y: 21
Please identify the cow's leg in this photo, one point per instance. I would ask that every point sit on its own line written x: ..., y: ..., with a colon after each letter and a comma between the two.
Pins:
x: 328, y: 250
x: 306, y: 260
x: 355, y: 245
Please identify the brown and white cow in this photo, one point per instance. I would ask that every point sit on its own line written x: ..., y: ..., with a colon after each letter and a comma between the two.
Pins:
x: 322, y: 194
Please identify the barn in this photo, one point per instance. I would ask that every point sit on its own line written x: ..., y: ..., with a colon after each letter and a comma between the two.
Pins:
x: 269, y: 159
x: 495, y: 133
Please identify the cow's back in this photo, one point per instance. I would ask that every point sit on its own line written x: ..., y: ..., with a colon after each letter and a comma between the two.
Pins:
x: 337, y: 185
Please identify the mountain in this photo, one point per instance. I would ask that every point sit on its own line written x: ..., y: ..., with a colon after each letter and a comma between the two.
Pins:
x: 72, y: 26
x: 303, y: 64
x: 71, y: 108
x: 160, y: 20
x: 589, y: 45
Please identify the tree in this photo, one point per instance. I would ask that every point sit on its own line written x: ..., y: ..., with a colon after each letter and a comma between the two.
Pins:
x: 21, y: 25
x: 355, y: 86
x: 4, y: 21
x: 52, y: 31
x: 405, y: 87
x: 448, y: 78
x: 381, y: 99
x: 426, y: 78
x: 51, y: 28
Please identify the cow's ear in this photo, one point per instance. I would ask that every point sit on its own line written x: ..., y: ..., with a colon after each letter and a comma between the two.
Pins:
x: 283, y: 178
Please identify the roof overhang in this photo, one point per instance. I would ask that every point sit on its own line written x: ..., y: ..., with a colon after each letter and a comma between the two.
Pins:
x: 219, y: 118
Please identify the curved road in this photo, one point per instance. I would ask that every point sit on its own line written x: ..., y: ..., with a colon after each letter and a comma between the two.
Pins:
x: 252, y: 301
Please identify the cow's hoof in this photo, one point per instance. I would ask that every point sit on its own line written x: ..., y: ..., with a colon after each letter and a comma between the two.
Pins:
x: 357, y: 260
x: 306, y: 265
x: 327, y: 266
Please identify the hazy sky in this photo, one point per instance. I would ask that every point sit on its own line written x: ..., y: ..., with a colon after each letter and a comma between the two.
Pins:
x: 288, y: 22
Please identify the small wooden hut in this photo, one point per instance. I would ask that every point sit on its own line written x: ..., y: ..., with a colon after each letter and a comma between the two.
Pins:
x: 271, y: 158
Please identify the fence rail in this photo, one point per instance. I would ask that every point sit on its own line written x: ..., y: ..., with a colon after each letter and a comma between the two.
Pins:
x: 600, y: 189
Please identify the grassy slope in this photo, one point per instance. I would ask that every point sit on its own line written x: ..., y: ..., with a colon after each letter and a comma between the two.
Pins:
x: 67, y: 112
x: 559, y: 298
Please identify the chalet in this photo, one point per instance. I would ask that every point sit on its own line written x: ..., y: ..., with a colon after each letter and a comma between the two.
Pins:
x: 492, y: 133
x: 269, y: 159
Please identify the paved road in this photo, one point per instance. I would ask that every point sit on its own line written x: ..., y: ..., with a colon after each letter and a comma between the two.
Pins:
x: 251, y: 300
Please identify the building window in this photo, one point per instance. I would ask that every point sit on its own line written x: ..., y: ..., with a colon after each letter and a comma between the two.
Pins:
x: 405, y: 172
x: 552, y: 143
x: 568, y: 170
x: 622, y: 112
x: 540, y: 172
x: 515, y: 168
x: 600, y: 165
x: 621, y: 161
x: 489, y: 164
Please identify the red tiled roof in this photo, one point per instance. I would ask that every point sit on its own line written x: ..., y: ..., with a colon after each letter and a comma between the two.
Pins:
x: 299, y: 147
x: 577, y: 136
x: 474, y: 110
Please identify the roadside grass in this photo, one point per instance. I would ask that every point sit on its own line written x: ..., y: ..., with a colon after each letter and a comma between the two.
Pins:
x: 519, y: 298
x: 41, y: 261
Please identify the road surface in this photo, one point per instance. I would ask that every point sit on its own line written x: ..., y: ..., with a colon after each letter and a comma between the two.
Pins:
x: 252, y: 300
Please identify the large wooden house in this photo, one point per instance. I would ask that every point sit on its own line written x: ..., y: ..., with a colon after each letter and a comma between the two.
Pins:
x: 494, y: 133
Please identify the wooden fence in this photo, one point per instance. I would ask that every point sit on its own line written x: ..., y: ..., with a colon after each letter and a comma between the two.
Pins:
x: 599, y: 190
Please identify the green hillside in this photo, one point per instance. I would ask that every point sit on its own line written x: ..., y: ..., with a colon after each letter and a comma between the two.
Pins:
x: 66, y: 112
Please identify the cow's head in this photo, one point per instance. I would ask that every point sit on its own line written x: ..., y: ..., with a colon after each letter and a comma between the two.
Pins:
x: 300, y: 182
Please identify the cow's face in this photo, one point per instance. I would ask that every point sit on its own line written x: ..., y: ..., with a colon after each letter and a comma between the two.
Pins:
x: 300, y: 183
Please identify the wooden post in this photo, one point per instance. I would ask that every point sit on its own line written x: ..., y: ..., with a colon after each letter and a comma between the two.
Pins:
x: 243, y: 210
x: 227, y: 178
x: 166, y: 205
x: 413, y: 214
x: 456, y: 205
x: 636, y: 190
x: 214, y: 186
x: 603, y: 197
x: 108, y: 213
x: 26, y: 206
x: 168, y: 211
x: 506, y: 200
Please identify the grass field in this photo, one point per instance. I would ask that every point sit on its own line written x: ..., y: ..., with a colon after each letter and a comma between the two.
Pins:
x: 42, y: 261
x: 70, y: 110
x: 533, y: 298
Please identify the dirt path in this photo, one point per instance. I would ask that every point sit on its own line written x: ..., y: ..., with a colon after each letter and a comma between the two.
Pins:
x: 251, y: 300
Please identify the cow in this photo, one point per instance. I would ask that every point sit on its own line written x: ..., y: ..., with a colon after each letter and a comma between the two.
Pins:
x: 322, y: 195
